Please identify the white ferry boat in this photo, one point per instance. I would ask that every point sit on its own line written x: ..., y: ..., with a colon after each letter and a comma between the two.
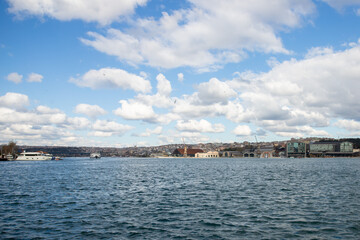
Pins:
x: 33, y: 156
x: 95, y: 155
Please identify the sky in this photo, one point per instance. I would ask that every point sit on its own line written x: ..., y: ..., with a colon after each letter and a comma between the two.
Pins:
x: 115, y: 73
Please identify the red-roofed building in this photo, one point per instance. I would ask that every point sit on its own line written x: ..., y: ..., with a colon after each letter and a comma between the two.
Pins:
x: 179, y: 152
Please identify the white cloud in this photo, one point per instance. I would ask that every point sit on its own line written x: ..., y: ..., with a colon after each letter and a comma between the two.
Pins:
x: 132, y: 110
x: 180, y: 77
x: 295, y: 96
x: 10, y: 116
x: 33, y: 133
x: 35, y: 77
x: 350, y: 125
x: 46, y: 110
x: 163, y: 86
x: 78, y: 123
x: 318, y: 51
x: 162, y: 98
x: 14, y: 100
x: 242, y: 130
x: 235, y: 112
x: 193, y: 137
x: 41, y: 125
x: 304, y: 92
x: 103, y: 128
x: 205, y: 36
x: 215, y: 91
x: 340, y: 4
x: 90, y: 110
x: 301, y: 131
x: 14, y: 77
x: 149, y: 132
x: 189, y: 107
x: 112, y: 78
x: 327, y: 83
x: 102, y: 11
x: 199, y: 126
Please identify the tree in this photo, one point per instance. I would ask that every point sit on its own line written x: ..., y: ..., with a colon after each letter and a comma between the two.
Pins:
x: 10, y: 148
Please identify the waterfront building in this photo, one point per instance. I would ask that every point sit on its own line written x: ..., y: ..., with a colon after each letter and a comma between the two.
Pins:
x: 266, y: 151
x: 230, y: 154
x: 249, y: 153
x: 331, y: 149
x: 320, y: 147
x: 210, y: 154
x: 186, y: 152
x: 296, y: 149
x: 346, y: 147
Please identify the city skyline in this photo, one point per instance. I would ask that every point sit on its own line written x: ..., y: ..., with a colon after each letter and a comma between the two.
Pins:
x: 149, y: 73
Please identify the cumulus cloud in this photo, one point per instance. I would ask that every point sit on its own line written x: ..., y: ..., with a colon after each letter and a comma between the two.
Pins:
x: 162, y: 98
x: 35, y: 77
x: 78, y: 123
x: 112, y: 78
x: 297, y: 131
x: 193, y: 137
x: 148, y: 132
x: 350, y: 125
x: 326, y: 82
x: 189, y: 107
x: 14, y: 77
x: 318, y: 51
x: 242, y: 130
x: 34, y: 133
x: 42, y: 124
x: 103, y: 128
x: 101, y: 11
x: 132, y: 110
x: 301, y: 96
x: 46, y: 110
x: 295, y: 96
x: 215, y: 91
x: 10, y: 116
x: 90, y: 110
x: 199, y: 126
x: 163, y: 86
x: 30, y: 127
x: 205, y: 36
x: 14, y: 100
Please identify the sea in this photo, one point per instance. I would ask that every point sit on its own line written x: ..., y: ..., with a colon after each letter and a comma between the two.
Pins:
x: 180, y: 198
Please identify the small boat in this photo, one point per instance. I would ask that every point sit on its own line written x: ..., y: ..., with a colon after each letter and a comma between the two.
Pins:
x: 10, y: 157
x: 33, y: 156
x: 95, y: 155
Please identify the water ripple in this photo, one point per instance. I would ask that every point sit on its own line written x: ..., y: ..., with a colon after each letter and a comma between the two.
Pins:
x: 114, y: 198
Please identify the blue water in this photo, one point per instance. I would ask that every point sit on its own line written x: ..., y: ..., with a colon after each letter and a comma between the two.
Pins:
x: 124, y: 198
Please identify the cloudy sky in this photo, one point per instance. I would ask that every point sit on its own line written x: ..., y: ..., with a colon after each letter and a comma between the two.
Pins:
x: 153, y: 72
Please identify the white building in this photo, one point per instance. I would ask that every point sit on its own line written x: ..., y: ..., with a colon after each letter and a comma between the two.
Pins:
x: 211, y: 154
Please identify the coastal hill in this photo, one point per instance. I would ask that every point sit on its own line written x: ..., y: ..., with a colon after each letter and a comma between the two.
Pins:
x: 67, y: 151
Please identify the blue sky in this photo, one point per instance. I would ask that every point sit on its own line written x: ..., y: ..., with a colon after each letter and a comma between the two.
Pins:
x: 153, y: 72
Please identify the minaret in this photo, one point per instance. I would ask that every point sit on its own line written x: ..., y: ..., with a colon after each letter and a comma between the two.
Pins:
x: 185, y: 149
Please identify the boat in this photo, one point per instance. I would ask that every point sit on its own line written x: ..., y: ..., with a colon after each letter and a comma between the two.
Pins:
x: 50, y: 155
x: 33, y: 156
x: 9, y: 157
x: 95, y: 155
